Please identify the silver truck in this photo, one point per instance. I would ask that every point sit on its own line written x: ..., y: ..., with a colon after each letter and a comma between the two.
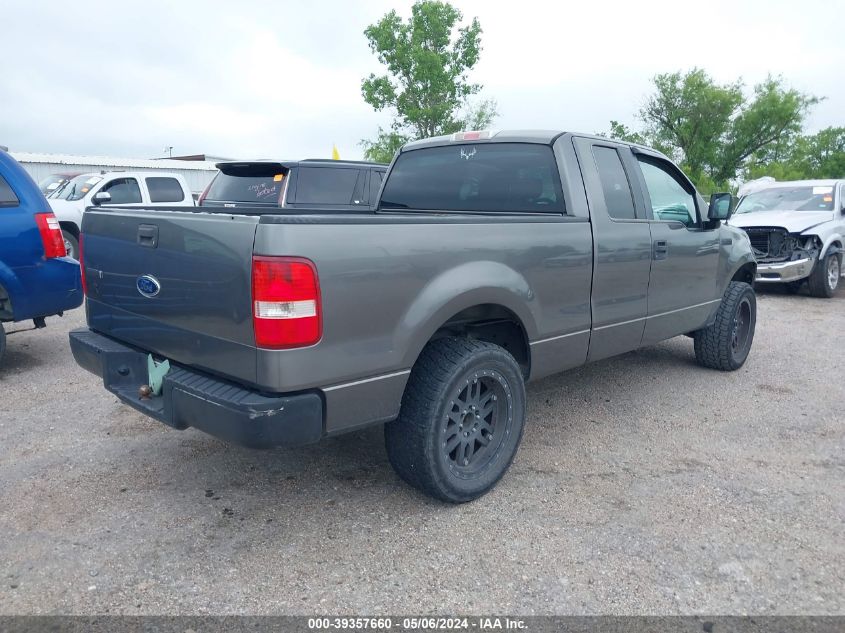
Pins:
x: 797, y: 232
x: 490, y: 259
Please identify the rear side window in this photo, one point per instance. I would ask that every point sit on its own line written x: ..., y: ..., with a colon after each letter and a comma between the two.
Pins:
x: 256, y: 183
x: 325, y: 185
x: 614, y: 183
x: 165, y: 190
x: 492, y: 177
x: 7, y: 196
x: 123, y: 191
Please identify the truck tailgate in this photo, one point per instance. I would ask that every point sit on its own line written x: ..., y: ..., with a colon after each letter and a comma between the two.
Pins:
x: 174, y: 283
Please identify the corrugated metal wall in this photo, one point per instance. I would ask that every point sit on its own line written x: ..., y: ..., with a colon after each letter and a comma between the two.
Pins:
x: 197, y: 179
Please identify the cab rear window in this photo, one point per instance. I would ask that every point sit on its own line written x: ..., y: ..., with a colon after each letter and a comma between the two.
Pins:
x: 252, y: 183
x: 486, y: 177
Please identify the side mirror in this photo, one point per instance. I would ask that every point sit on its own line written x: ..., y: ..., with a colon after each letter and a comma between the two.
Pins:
x: 721, y: 206
x: 101, y: 197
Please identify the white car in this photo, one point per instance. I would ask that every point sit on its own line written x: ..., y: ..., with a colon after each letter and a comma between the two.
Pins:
x: 119, y: 187
x: 797, y: 230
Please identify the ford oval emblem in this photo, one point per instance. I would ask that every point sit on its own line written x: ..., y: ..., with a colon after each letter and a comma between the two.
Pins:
x: 148, y: 285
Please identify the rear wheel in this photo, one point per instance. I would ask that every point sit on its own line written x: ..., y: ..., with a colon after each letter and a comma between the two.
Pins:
x: 2, y: 342
x: 725, y: 344
x: 461, y: 419
x: 824, y: 279
x: 71, y: 244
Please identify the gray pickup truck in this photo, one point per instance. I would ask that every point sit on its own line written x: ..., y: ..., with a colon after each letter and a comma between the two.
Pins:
x: 491, y: 259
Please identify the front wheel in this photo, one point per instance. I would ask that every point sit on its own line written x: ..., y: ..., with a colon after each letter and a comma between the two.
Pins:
x: 725, y: 344
x: 824, y: 279
x: 461, y: 419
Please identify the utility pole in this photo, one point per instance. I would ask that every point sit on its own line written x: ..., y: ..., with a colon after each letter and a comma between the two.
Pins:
x: 169, y: 150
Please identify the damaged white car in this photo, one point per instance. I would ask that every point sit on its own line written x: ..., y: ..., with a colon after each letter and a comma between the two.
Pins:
x: 797, y: 231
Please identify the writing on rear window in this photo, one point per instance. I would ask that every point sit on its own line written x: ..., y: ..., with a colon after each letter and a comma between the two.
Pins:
x: 486, y: 177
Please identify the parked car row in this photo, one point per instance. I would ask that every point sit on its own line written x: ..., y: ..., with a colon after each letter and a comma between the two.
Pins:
x: 305, y: 299
x: 288, y: 184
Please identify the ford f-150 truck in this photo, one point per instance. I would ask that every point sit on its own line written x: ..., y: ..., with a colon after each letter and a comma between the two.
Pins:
x: 797, y: 231
x: 491, y: 259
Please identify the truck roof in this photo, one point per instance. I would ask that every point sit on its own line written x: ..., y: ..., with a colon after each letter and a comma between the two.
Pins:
x: 544, y: 137
x: 132, y: 174
x: 311, y: 161
x: 822, y: 182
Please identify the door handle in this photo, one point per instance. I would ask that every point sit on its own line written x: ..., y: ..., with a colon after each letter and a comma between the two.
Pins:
x: 660, y: 249
x: 148, y: 235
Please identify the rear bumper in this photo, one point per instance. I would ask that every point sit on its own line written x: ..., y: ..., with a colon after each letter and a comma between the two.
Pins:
x: 785, y: 271
x: 192, y: 399
x: 51, y: 287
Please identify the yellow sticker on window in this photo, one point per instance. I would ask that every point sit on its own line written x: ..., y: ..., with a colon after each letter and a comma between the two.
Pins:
x: 827, y: 199
x: 278, y: 177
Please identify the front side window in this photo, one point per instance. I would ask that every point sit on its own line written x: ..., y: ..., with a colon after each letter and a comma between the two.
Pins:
x: 670, y: 201
x: 614, y: 183
x: 7, y: 196
x: 123, y: 191
x: 164, y: 189
x: 325, y: 185
x: 486, y: 177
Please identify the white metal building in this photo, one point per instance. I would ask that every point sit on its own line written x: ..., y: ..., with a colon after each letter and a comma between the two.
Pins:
x: 197, y: 173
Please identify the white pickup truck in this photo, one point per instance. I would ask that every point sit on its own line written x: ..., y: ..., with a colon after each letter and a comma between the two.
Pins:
x: 119, y: 187
x: 797, y: 231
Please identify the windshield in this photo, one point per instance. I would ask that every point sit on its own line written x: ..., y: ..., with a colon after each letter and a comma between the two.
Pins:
x: 788, y: 199
x: 52, y: 182
x: 77, y: 188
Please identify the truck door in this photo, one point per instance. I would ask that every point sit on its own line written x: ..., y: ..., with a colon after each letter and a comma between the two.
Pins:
x: 621, y: 249
x: 685, y: 251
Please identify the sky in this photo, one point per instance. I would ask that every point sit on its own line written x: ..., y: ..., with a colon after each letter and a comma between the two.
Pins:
x: 282, y: 79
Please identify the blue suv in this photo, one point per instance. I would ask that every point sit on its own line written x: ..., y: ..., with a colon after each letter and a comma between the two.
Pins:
x: 37, y: 280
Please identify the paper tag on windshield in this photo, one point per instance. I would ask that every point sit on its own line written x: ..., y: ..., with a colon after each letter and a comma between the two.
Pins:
x: 278, y: 177
x: 817, y: 191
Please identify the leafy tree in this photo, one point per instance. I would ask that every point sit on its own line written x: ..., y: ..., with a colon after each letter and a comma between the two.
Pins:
x: 622, y: 132
x: 820, y: 155
x: 714, y: 130
x: 426, y: 85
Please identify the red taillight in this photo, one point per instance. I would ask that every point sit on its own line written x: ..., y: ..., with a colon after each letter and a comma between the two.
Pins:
x: 286, y: 310
x: 82, y: 264
x: 51, y: 235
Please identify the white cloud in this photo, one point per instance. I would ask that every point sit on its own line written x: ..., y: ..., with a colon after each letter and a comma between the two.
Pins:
x: 283, y: 79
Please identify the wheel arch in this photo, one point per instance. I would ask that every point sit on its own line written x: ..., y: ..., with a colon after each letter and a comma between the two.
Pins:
x: 483, y: 300
x: 70, y: 227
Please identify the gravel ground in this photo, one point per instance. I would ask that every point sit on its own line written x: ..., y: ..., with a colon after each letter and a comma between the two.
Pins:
x: 644, y: 484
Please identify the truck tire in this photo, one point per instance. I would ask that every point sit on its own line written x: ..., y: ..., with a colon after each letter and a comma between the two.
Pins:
x: 725, y: 344
x: 71, y: 244
x: 461, y: 419
x: 824, y: 280
x: 2, y: 343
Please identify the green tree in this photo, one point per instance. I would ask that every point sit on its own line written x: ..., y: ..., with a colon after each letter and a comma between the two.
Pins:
x: 713, y: 130
x: 427, y: 60
x: 820, y: 155
x: 622, y: 132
